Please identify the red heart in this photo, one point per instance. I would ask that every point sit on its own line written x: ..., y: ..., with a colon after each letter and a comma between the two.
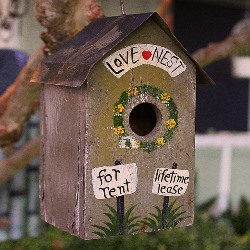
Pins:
x: 146, y: 54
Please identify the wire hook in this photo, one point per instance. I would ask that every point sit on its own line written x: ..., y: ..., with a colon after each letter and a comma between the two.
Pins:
x: 122, y: 7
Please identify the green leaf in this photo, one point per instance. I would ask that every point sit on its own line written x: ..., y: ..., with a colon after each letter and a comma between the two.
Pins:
x: 130, y: 220
x: 156, y: 216
x: 113, y: 211
x: 176, y: 209
x: 104, y: 229
x: 151, y: 221
x: 124, y: 98
x: 128, y: 213
x: 173, y: 211
x: 158, y: 211
x: 110, y: 225
x: 133, y: 225
x: 112, y: 218
x: 148, y: 146
x: 170, y: 207
x: 176, y: 216
x: 118, y: 121
x: 99, y: 234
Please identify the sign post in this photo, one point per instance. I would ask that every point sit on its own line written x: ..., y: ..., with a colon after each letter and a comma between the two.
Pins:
x: 120, y: 207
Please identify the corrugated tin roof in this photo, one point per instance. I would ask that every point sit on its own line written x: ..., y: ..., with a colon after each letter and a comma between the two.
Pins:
x: 71, y: 64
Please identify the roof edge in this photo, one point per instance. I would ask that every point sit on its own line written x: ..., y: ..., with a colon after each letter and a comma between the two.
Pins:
x: 61, y: 68
x: 202, y: 76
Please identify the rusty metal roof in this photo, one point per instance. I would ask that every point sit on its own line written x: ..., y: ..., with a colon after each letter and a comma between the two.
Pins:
x: 71, y: 64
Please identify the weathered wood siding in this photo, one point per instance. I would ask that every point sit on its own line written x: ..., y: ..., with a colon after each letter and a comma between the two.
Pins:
x: 62, y: 157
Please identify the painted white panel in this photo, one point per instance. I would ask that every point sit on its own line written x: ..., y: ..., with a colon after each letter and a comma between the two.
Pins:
x: 241, y: 66
x: 170, y: 182
x: 136, y: 55
x: 114, y: 181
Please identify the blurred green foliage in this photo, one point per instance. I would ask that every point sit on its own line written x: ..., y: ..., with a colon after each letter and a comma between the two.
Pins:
x: 239, y: 220
x: 205, y: 234
x: 229, y: 232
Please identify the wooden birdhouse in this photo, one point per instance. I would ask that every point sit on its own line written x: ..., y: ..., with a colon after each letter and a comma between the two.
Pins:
x: 118, y: 129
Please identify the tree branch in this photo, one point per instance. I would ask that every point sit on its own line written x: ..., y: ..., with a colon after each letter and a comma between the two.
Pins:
x: 19, y: 101
x: 18, y: 160
x: 4, y: 223
x: 165, y: 12
x: 225, y: 48
x: 62, y: 19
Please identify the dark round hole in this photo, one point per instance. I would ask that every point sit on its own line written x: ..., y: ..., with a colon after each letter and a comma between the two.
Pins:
x: 143, y: 118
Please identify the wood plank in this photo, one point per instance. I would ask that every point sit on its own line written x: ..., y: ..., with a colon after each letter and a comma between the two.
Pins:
x: 62, y: 157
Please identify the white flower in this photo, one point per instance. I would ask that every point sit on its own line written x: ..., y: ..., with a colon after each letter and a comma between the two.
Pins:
x: 128, y: 142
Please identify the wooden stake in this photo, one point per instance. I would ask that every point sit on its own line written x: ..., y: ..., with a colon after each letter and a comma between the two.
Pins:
x: 165, y: 206
x: 120, y: 208
x: 122, y: 7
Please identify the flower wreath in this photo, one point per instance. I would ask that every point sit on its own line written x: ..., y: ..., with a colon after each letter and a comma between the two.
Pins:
x: 171, y: 124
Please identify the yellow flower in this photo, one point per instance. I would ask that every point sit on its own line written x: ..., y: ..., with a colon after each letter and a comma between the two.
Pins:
x: 119, y: 130
x: 133, y: 91
x: 138, y: 144
x: 136, y: 91
x: 160, y: 141
x: 171, y: 123
x: 165, y: 97
x: 118, y: 109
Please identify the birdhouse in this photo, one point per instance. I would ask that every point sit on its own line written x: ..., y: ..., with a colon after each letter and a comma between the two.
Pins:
x: 118, y: 129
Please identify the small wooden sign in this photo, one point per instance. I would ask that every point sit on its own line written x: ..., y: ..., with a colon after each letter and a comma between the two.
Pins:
x: 170, y: 182
x: 114, y: 181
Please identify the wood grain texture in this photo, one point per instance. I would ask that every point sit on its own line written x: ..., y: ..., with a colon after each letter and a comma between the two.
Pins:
x: 62, y: 157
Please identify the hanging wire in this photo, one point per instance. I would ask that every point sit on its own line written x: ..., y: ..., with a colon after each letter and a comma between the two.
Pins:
x: 122, y: 7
